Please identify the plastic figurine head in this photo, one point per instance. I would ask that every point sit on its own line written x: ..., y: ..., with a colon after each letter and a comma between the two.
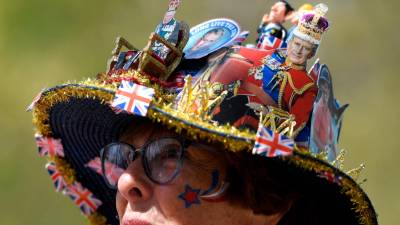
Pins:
x: 299, y: 51
x: 279, y: 11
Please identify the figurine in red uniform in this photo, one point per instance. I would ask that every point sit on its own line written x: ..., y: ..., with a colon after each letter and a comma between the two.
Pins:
x: 278, y: 77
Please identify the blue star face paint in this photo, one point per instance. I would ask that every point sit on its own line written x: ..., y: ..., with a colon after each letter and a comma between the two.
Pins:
x: 215, y: 193
x: 190, y: 196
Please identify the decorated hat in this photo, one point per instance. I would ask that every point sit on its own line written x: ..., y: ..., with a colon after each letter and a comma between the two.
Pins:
x: 313, y: 24
x: 75, y: 120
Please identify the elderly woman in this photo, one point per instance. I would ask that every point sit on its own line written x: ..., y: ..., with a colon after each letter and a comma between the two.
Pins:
x: 129, y: 151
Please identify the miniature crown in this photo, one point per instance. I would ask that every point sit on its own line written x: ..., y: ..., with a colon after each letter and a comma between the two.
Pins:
x: 312, y: 25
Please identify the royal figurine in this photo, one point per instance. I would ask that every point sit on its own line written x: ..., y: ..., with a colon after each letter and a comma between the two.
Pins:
x: 277, y: 77
x: 271, y: 33
x: 283, y: 74
x: 159, y: 58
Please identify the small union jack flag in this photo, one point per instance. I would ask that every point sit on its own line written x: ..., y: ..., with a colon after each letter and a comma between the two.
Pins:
x: 331, y: 177
x: 271, y: 144
x: 56, y: 177
x: 83, y: 198
x: 270, y: 42
x: 113, y: 172
x: 49, y: 146
x: 133, y: 98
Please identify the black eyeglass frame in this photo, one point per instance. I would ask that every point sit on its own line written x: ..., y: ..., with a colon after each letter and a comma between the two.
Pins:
x: 184, y: 144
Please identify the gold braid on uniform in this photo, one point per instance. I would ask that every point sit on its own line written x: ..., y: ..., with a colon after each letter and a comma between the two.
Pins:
x: 287, y: 77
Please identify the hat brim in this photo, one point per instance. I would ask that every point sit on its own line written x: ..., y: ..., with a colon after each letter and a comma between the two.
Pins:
x: 81, y: 116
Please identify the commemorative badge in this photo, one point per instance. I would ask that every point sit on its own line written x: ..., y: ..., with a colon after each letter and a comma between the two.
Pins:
x: 210, y: 36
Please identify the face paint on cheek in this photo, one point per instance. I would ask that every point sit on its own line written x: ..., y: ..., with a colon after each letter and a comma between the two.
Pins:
x: 215, y: 193
x: 190, y: 196
x: 217, y: 190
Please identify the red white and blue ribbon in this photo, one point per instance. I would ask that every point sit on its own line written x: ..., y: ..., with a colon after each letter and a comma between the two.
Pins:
x: 83, y: 198
x: 56, y: 177
x: 272, y: 144
x: 113, y: 172
x: 133, y: 98
x: 48, y: 146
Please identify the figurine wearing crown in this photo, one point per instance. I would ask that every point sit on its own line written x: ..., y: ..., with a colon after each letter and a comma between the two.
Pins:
x: 278, y: 77
x: 284, y: 74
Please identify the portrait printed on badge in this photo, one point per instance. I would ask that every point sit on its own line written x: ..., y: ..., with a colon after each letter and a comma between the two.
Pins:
x: 210, y: 36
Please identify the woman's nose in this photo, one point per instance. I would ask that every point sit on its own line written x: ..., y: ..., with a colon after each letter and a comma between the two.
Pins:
x: 133, y: 185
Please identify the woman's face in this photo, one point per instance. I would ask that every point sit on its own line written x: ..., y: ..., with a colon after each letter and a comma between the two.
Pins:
x: 143, y: 202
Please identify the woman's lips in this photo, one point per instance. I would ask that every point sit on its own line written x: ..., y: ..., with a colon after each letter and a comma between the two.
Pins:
x: 135, y: 222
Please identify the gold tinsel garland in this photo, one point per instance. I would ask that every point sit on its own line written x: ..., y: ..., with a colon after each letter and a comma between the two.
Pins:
x: 65, y: 169
x: 63, y: 94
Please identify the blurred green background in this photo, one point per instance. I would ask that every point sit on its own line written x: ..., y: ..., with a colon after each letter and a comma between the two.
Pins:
x: 46, y: 42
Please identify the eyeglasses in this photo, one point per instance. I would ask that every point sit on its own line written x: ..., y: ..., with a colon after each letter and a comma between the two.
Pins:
x: 162, y: 159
